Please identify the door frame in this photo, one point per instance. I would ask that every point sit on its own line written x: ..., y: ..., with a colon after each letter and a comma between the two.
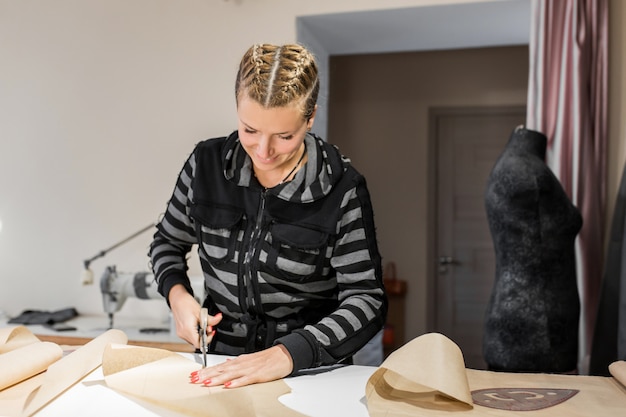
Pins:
x: 434, y: 113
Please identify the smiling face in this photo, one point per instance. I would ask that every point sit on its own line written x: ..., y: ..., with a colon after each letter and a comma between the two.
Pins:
x: 272, y: 137
x: 276, y: 91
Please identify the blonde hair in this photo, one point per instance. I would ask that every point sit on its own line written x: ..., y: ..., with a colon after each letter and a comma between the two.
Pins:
x: 276, y: 76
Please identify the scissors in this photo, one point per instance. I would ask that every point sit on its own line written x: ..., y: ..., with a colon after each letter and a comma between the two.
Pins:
x: 202, y: 327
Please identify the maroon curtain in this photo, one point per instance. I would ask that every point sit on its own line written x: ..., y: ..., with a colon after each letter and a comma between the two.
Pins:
x: 567, y: 101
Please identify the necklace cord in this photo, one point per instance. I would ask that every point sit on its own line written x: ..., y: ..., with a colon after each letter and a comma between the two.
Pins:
x: 294, y: 168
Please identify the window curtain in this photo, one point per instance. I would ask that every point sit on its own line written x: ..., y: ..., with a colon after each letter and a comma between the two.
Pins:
x: 567, y: 101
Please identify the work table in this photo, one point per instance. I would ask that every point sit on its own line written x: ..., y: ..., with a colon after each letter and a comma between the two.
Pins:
x: 91, y: 326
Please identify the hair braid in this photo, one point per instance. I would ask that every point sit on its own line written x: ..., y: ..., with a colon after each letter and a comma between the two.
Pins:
x: 277, y: 76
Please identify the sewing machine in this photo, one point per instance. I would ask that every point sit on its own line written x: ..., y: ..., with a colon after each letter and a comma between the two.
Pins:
x: 116, y: 288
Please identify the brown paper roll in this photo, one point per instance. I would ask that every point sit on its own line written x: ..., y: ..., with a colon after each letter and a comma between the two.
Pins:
x: 69, y: 370
x: 29, y: 396
x: 618, y: 371
x: 14, y: 337
x: 20, y: 364
x: 429, y: 371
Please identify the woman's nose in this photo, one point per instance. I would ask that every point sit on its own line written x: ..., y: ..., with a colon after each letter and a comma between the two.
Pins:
x: 264, y: 148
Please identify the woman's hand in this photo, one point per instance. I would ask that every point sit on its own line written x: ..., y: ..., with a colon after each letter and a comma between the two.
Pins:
x: 186, y: 312
x: 267, y: 365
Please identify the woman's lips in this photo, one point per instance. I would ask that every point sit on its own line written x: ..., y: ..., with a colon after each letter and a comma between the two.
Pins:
x: 266, y: 160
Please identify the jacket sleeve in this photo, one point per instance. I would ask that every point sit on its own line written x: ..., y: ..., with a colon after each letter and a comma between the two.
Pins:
x: 362, y: 300
x: 175, y: 235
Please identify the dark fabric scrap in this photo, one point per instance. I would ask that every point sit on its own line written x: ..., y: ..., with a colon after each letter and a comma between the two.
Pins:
x: 44, y: 317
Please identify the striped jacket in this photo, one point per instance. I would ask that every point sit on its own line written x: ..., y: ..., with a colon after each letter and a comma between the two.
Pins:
x: 296, y: 264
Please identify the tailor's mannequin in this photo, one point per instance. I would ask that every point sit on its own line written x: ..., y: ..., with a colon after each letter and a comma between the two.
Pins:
x: 531, y: 323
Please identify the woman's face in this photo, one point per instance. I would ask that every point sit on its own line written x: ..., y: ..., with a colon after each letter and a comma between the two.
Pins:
x: 271, y: 137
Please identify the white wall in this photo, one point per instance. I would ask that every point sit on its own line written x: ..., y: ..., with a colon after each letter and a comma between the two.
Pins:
x: 101, y: 101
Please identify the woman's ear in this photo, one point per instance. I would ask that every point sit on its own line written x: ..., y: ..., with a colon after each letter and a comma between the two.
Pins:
x: 309, y: 124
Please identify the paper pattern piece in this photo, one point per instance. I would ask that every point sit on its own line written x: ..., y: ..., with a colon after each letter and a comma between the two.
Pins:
x: 161, y: 378
x: 428, y: 373
x: 427, y: 377
x: 28, y: 397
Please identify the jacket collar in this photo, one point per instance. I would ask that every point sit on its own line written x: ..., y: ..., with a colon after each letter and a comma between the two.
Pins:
x: 315, y: 180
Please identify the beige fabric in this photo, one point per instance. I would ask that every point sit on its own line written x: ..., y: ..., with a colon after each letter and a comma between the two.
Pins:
x: 427, y: 377
x: 29, y: 396
x: 162, y: 378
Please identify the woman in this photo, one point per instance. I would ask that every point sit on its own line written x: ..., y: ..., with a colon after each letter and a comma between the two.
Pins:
x: 285, y: 231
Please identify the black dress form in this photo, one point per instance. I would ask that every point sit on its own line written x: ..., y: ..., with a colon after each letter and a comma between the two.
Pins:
x: 532, y: 318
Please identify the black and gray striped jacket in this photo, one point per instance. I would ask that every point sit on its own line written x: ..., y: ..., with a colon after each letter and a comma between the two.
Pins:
x: 296, y: 264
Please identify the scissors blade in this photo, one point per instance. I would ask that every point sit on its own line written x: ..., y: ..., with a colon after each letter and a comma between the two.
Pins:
x: 204, y: 322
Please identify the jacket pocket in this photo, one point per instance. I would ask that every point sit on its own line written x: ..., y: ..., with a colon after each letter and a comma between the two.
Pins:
x: 296, y: 253
x: 217, y: 229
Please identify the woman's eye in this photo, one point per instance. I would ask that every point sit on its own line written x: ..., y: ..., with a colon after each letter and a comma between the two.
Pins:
x: 286, y: 137
x: 250, y: 131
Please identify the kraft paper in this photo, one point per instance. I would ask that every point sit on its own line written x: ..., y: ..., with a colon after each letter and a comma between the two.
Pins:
x: 28, y: 397
x: 427, y: 377
x: 618, y: 371
x: 427, y: 373
x: 14, y: 337
x: 23, y: 355
x: 27, y: 361
x: 161, y: 378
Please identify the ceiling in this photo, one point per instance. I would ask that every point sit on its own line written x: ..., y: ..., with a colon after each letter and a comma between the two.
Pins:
x: 447, y: 26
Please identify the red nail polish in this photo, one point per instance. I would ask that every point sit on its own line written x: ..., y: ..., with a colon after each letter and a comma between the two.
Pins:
x: 194, y: 373
x: 194, y: 379
x: 227, y: 384
x: 206, y: 382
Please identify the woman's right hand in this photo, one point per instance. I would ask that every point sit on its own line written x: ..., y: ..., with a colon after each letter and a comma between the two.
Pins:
x: 186, y: 312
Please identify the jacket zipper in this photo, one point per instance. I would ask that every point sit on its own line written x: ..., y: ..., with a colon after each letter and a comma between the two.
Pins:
x: 252, y: 256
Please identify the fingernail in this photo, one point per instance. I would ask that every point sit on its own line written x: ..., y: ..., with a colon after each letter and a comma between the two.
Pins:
x: 194, y: 373
x: 210, y: 329
x: 194, y: 379
x: 206, y: 382
x: 227, y: 384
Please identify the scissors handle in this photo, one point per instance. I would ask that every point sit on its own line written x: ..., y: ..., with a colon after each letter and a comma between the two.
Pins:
x: 204, y: 318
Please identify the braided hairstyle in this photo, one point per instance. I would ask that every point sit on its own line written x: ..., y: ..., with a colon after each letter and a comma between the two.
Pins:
x: 276, y: 76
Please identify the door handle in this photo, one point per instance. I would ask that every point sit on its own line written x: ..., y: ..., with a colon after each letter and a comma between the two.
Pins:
x: 444, y: 261
x: 447, y: 260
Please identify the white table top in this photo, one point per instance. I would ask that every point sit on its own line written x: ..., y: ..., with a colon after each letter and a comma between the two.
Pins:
x: 94, y: 325
x: 325, y: 392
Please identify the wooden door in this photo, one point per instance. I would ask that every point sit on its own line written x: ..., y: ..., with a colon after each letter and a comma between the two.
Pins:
x: 467, y: 142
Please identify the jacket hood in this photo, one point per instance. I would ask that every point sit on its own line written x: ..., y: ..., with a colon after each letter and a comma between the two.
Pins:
x: 324, y: 167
